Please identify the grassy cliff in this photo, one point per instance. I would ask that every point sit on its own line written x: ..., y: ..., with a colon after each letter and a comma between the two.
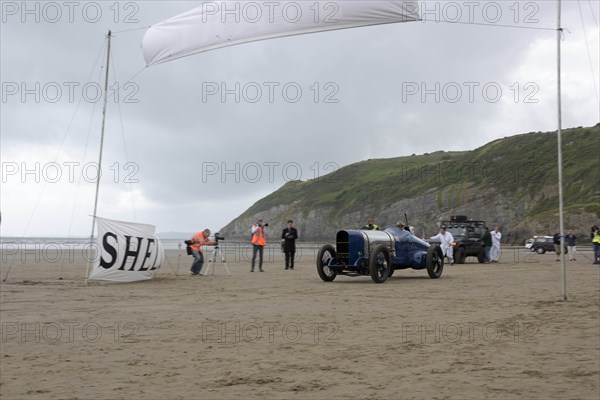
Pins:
x: 511, y: 182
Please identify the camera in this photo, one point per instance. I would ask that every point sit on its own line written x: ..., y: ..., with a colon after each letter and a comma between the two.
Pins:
x: 265, y: 225
x: 219, y: 237
x: 188, y: 249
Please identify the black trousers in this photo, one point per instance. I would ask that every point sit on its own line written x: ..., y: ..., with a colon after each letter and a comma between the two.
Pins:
x: 257, y: 249
x: 289, y: 259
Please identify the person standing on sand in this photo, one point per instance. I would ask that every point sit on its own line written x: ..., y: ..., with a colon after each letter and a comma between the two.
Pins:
x: 495, y: 251
x: 596, y: 242
x: 445, y: 240
x: 289, y: 236
x: 570, y: 243
x: 487, y: 244
x: 556, y: 240
x: 259, y: 241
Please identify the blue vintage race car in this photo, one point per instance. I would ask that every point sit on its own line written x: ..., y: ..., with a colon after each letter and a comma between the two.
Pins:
x: 378, y: 254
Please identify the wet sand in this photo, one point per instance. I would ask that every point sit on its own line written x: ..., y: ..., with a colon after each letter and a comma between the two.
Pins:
x: 493, y: 331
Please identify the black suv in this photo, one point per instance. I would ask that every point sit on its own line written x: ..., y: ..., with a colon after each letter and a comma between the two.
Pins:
x: 540, y: 244
x: 468, y: 238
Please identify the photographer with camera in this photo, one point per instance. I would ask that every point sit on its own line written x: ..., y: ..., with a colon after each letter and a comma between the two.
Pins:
x: 259, y: 241
x: 289, y: 236
x: 194, y: 246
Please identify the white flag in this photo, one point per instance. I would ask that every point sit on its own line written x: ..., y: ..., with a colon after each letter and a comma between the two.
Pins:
x: 218, y: 24
x: 126, y: 251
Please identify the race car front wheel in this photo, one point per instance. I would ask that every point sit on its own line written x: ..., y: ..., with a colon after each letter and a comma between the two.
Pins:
x: 324, y: 257
x: 379, y: 264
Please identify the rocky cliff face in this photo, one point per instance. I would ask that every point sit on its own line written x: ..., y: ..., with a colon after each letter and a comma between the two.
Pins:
x: 519, y: 196
x: 423, y: 214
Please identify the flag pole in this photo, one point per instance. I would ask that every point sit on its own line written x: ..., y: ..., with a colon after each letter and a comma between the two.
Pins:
x: 99, y: 174
x: 563, y: 267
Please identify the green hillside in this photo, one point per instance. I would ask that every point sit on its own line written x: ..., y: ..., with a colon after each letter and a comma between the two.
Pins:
x: 514, y: 175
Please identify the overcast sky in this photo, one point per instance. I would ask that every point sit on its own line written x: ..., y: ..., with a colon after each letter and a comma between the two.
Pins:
x: 182, y: 157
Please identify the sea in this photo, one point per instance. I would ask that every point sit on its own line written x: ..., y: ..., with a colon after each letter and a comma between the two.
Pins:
x: 55, y: 249
x: 41, y: 243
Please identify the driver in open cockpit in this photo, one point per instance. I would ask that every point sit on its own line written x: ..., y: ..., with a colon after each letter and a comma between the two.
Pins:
x: 401, y: 225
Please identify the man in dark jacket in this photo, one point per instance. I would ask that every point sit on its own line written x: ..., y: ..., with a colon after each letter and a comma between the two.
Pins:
x: 487, y: 244
x: 556, y: 240
x: 570, y: 241
x: 289, y: 236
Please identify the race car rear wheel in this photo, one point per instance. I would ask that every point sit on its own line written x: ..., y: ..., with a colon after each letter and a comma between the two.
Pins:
x: 379, y: 264
x: 325, y: 255
x: 434, y: 261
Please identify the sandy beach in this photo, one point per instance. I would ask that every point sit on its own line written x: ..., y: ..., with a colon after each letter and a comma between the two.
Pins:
x: 493, y: 331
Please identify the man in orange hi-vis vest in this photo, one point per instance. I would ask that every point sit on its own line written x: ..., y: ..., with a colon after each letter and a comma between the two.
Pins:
x: 198, y: 240
x: 259, y: 241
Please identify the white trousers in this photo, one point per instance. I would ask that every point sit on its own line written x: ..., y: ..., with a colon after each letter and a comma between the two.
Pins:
x: 495, y: 252
x: 448, y: 252
x: 571, y: 250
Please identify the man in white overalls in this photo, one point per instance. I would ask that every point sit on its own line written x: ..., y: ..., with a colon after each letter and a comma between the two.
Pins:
x: 445, y: 239
x: 495, y: 252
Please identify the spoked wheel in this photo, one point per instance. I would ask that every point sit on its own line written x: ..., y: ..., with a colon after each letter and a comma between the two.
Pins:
x: 434, y: 261
x: 379, y: 264
x: 324, y: 257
